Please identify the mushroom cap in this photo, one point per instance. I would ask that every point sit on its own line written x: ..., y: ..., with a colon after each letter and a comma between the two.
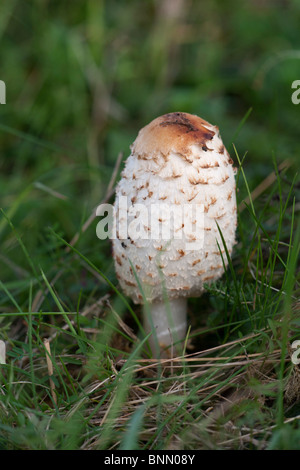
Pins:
x: 178, y: 160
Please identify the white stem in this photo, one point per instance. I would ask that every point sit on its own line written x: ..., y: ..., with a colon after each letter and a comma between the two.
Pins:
x: 167, y: 322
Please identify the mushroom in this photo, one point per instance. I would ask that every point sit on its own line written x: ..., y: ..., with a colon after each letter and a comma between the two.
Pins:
x: 177, y: 161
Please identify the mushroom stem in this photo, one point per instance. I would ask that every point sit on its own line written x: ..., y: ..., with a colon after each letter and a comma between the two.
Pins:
x: 167, y: 322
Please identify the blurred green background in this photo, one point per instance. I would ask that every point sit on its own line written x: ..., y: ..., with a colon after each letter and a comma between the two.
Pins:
x: 83, y: 77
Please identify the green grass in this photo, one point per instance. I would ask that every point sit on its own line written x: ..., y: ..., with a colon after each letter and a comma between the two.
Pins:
x: 80, y: 83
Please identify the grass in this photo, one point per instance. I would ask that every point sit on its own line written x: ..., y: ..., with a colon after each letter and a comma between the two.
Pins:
x: 80, y: 83
x: 102, y: 391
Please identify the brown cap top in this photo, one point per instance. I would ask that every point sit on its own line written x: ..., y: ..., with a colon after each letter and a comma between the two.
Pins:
x: 173, y: 132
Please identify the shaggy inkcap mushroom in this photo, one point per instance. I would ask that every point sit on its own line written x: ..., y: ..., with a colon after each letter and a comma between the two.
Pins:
x: 177, y: 161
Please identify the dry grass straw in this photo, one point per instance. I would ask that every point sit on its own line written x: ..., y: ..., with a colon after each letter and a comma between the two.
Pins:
x: 212, y: 384
x: 50, y: 369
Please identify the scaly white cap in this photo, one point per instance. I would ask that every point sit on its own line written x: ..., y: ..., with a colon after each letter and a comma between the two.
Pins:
x: 177, y: 161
